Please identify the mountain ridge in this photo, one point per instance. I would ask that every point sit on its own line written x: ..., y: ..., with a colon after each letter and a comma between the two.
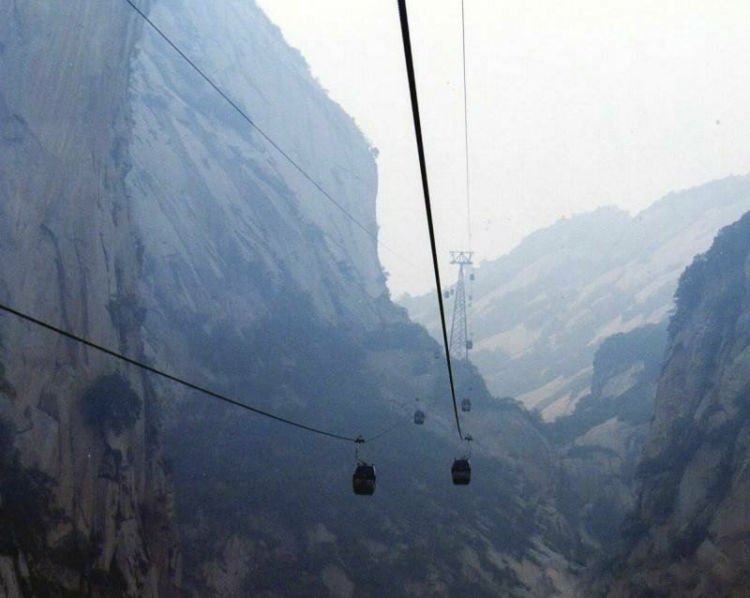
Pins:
x: 540, y: 311
x: 688, y: 531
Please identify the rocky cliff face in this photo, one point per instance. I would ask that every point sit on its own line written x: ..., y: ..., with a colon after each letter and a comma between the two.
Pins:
x: 83, y: 497
x: 263, y: 226
x: 541, y: 312
x: 601, y: 441
x: 689, y: 534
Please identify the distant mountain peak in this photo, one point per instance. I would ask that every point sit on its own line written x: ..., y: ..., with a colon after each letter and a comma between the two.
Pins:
x: 540, y: 311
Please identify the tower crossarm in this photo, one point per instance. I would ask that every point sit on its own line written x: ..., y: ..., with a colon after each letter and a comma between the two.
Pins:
x: 463, y: 258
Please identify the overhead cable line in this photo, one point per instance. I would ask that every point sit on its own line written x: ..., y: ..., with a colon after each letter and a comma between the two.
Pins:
x: 466, y: 132
x: 177, y: 379
x: 388, y: 430
x: 426, y: 191
x: 266, y: 136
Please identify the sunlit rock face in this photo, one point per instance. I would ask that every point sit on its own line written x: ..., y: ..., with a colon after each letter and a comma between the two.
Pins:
x: 84, y: 502
x: 688, y: 535
x: 540, y: 312
x: 263, y: 226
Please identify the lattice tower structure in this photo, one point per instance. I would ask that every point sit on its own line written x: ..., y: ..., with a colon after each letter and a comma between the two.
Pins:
x: 460, y: 342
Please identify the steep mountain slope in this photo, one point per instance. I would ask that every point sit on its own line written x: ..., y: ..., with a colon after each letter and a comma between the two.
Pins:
x: 255, y: 284
x: 196, y: 160
x: 540, y: 312
x: 602, y: 440
x: 689, y: 534
x: 84, y: 504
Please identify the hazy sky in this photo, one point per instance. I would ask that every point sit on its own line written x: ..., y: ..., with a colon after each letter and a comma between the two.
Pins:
x: 572, y: 104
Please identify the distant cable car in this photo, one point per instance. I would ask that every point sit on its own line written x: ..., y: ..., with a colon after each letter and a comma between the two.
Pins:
x: 471, y: 276
x: 469, y: 345
x: 461, y: 472
x: 419, y: 417
x: 363, y: 480
x: 466, y: 405
x: 446, y: 294
x: 461, y: 469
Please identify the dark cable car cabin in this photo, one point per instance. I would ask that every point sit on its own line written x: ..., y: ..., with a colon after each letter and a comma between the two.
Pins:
x: 363, y: 480
x: 471, y: 276
x: 461, y: 472
x: 469, y: 345
x: 466, y: 405
x: 419, y: 417
x: 446, y: 294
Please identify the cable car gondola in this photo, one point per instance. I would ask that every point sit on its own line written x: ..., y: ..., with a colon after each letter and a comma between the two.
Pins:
x: 469, y: 345
x: 461, y: 472
x: 461, y: 469
x: 466, y: 405
x: 363, y: 480
x: 419, y: 417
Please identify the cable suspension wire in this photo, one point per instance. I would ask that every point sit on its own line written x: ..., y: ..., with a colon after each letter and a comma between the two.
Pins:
x: 466, y: 132
x: 173, y: 378
x: 426, y: 191
x: 266, y: 136
x: 388, y: 430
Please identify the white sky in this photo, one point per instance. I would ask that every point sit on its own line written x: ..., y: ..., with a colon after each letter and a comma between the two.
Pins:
x: 572, y: 104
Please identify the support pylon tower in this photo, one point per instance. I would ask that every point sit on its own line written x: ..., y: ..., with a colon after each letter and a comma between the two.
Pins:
x: 460, y: 342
